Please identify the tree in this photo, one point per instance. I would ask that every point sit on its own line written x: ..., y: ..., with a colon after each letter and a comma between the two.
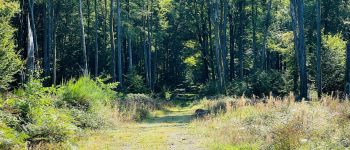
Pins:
x: 319, y: 72
x: 302, y: 52
x: 111, y: 34
x: 10, y: 62
x: 30, y: 50
x: 267, y: 25
x: 85, y: 71
x: 120, y: 69
x: 96, y: 38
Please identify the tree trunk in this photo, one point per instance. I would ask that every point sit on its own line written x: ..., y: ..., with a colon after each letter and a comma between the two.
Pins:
x: 30, y: 49
x: 224, y: 43
x: 96, y: 39
x: 111, y: 33
x: 255, y: 50
x: 232, y: 47
x: 303, y: 71
x: 83, y: 38
x: 211, y: 53
x: 296, y: 45
x: 120, y: 72
x: 267, y: 25
x: 347, y: 77
x: 218, y: 46
x: 32, y: 22
x: 240, y: 38
x: 319, y: 71
x: 129, y: 39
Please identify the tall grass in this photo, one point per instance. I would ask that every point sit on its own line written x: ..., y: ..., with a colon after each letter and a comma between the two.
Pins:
x: 277, y: 123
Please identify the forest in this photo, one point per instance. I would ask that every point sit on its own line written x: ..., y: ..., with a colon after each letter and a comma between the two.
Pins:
x: 174, y: 74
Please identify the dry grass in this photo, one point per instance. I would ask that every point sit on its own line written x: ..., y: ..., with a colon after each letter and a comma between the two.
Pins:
x: 276, y: 123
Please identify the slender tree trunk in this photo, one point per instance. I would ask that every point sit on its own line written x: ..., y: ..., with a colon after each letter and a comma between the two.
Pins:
x: 232, y: 47
x: 267, y: 25
x: 96, y: 39
x: 303, y: 71
x: 30, y: 49
x: 145, y: 48
x: 296, y: 45
x: 347, y: 76
x: 48, y: 36
x: 120, y: 72
x: 224, y: 43
x: 218, y: 46
x: 55, y: 18
x: 129, y: 39
x: 111, y: 33
x: 83, y: 37
x: 150, y: 47
x: 211, y: 53
x: 319, y: 72
x: 240, y: 38
x: 254, y: 18
x: 32, y: 22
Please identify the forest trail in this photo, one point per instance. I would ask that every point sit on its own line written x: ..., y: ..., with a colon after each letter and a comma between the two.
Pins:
x: 170, y: 130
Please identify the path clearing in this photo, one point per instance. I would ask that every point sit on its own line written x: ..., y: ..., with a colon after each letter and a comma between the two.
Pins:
x: 168, y: 131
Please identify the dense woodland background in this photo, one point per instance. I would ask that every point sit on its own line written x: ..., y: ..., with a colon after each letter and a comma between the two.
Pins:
x: 71, y: 66
x: 227, y: 46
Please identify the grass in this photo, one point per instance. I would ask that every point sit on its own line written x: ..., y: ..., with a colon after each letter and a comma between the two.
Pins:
x: 276, y: 124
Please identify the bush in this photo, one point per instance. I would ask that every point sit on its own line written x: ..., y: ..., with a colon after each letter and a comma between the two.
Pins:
x: 10, y: 62
x: 137, y: 106
x: 32, y: 111
x: 134, y: 83
x: 10, y: 138
x: 86, y: 94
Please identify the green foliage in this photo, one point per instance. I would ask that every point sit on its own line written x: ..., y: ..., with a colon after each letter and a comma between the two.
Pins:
x: 10, y: 62
x: 333, y: 63
x: 86, y: 94
x: 10, y: 138
x: 135, y: 83
x: 34, y: 113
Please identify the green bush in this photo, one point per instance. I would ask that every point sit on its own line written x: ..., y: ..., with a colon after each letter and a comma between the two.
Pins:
x: 134, y: 83
x: 10, y: 62
x: 10, y: 138
x: 84, y: 120
x: 32, y: 111
x: 86, y: 94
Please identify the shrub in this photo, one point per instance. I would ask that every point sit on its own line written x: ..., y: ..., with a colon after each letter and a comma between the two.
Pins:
x: 134, y: 83
x: 10, y: 138
x: 137, y: 106
x: 10, y: 62
x: 34, y: 114
x: 86, y: 94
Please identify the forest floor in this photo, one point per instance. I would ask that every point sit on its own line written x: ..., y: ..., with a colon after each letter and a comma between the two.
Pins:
x: 169, y: 129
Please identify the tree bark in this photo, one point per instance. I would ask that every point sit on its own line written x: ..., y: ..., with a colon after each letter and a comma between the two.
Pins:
x: 319, y: 71
x: 267, y: 25
x: 96, y: 39
x: 240, y: 38
x: 255, y: 50
x: 303, y: 70
x: 111, y: 33
x: 347, y: 75
x: 30, y: 49
x: 296, y: 45
x: 120, y: 72
x: 83, y: 38
x: 232, y: 47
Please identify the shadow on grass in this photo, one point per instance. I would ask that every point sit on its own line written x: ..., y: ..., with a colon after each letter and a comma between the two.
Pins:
x: 181, y: 118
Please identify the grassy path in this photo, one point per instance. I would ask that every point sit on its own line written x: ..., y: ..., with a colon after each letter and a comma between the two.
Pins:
x: 170, y: 130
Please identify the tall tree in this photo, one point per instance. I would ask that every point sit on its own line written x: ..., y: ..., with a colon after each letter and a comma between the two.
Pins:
x: 111, y: 34
x: 240, y: 38
x: 32, y: 23
x: 85, y: 71
x: 232, y: 46
x: 319, y: 72
x: 120, y: 69
x: 254, y: 19
x: 267, y: 25
x: 30, y: 49
x: 302, y: 52
x: 293, y: 13
x: 96, y: 39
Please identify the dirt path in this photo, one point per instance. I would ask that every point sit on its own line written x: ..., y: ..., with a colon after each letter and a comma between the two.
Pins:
x: 168, y: 131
